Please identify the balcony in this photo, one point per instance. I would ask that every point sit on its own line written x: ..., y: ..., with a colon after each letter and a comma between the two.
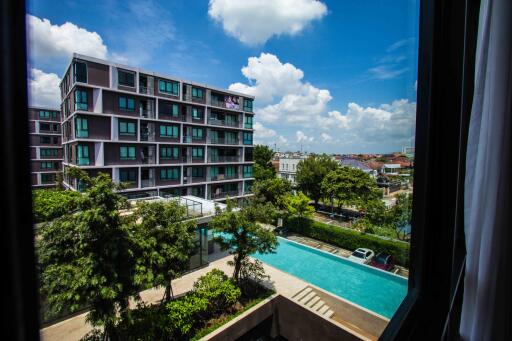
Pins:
x: 224, y: 123
x: 145, y: 113
x: 224, y: 194
x: 233, y: 158
x: 193, y: 139
x: 221, y: 177
x: 147, y: 183
x: 222, y: 140
x: 225, y: 105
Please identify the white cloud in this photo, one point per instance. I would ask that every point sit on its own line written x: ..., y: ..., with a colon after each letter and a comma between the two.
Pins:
x: 301, y: 137
x: 282, y: 140
x: 254, y: 22
x: 326, y: 137
x: 386, y: 72
x: 280, y: 88
x: 44, y: 89
x: 262, y: 132
x: 53, y: 41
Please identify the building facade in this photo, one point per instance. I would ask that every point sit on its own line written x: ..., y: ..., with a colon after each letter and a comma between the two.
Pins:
x: 157, y: 134
x: 288, y: 168
x: 45, y: 146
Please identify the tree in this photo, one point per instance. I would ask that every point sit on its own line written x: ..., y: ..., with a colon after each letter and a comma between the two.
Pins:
x: 298, y: 205
x: 311, y: 172
x: 86, y: 256
x: 401, y: 214
x: 263, y: 168
x: 241, y: 234
x: 49, y: 204
x: 165, y: 242
x: 272, y: 190
x: 350, y: 186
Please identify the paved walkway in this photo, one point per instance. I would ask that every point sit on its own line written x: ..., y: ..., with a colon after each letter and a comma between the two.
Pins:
x: 76, y: 327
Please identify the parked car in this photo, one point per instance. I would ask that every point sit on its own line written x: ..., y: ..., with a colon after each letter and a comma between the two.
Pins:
x: 362, y: 255
x: 383, y: 261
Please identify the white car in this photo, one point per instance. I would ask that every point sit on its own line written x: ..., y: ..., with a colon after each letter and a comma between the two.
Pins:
x: 361, y: 255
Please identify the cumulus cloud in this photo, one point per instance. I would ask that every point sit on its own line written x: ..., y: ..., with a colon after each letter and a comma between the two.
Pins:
x: 280, y: 88
x: 50, y: 41
x: 326, y: 137
x: 262, y: 132
x: 44, y: 89
x: 301, y: 137
x: 254, y: 22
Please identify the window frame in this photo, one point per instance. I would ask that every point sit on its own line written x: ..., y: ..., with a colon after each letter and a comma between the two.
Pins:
x: 165, y: 90
x: 127, y: 152
x: 167, y: 156
x: 128, y: 172
x: 164, y: 131
x: 127, y: 100
x: 80, y: 130
x: 126, y: 72
x: 173, y: 171
x: 127, y: 131
x: 75, y: 71
x: 81, y: 100
x: 85, y: 155
x: 195, y: 153
x: 199, y: 93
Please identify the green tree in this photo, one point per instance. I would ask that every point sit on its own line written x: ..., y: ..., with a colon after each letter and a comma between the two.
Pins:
x: 401, y: 214
x: 86, y: 256
x: 272, y: 190
x: 49, y: 204
x: 241, y: 234
x: 298, y: 205
x: 165, y: 242
x: 263, y: 168
x: 350, y: 186
x: 311, y: 172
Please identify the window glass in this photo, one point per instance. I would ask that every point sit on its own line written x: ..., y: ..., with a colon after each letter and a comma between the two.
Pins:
x: 248, y: 122
x: 169, y: 152
x: 197, y: 133
x: 80, y: 72
x: 82, y: 155
x: 127, y: 153
x: 168, y: 87
x: 126, y: 128
x: 197, y: 152
x: 126, y: 78
x: 248, y: 105
x: 128, y: 175
x: 126, y: 103
x: 175, y: 110
x: 197, y: 93
x: 169, y: 173
x: 247, y: 138
x: 81, y: 100
x: 44, y: 114
x: 81, y: 127
x: 169, y: 131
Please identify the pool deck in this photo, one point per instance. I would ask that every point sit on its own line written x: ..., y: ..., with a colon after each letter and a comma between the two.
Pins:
x: 76, y: 327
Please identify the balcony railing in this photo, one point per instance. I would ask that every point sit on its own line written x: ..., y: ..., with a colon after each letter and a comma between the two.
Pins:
x: 146, y: 113
x: 224, y: 158
x: 145, y: 90
x: 225, y: 123
x: 147, y: 136
x: 148, y: 183
x: 193, y: 139
x: 221, y: 104
x: 148, y: 160
x: 224, y: 194
x: 222, y: 140
x: 220, y: 177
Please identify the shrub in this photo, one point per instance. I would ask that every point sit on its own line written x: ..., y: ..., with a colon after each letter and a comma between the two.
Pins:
x: 348, y: 239
x: 50, y: 204
x: 183, y: 312
x: 218, y: 289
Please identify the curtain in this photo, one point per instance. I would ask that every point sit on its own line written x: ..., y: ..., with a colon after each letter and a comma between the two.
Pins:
x: 487, y: 304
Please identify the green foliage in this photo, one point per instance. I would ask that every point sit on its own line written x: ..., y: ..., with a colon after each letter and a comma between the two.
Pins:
x: 218, y: 289
x: 311, y: 172
x: 348, y: 239
x: 49, y: 204
x: 401, y: 214
x: 242, y: 235
x: 298, y: 205
x: 263, y: 168
x: 86, y: 256
x: 272, y: 190
x: 350, y: 186
x: 164, y: 241
x: 183, y: 313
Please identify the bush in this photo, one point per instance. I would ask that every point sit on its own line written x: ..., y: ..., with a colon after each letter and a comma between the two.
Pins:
x: 218, y: 289
x: 50, y: 204
x: 347, y: 239
x: 183, y: 313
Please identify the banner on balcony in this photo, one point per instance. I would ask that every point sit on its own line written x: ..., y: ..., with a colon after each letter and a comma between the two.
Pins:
x: 231, y: 102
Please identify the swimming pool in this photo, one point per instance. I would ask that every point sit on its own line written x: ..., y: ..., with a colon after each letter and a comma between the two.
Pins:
x: 370, y: 288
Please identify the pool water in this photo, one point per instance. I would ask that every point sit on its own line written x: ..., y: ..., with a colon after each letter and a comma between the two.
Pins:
x: 370, y: 288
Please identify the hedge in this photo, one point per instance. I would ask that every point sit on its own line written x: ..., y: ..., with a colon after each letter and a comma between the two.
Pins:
x: 348, y: 239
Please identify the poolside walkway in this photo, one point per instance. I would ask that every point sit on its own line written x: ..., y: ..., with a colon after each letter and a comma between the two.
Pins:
x: 76, y: 327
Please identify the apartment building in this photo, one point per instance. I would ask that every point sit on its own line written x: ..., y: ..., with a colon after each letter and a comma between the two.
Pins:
x: 159, y: 135
x: 45, y: 145
x: 288, y: 167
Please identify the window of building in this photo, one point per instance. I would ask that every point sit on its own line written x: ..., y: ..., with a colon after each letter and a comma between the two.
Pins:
x: 126, y: 128
x: 168, y: 87
x: 231, y: 137
x: 175, y: 110
x: 55, y: 140
x: 47, y: 165
x: 248, y: 122
x: 44, y: 126
x: 127, y: 153
x: 197, y: 172
x: 231, y: 120
x: 197, y: 153
x: 128, y: 175
x: 247, y: 138
x: 214, y: 172
x: 80, y: 72
x: 47, y: 178
x: 81, y: 100
x: 45, y: 140
x: 197, y: 133
x: 197, y: 114
x: 169, y: 131
x: 82, y: 155
x: 197, y: 191
x: 197, y: 93
x: 230, y: 172
x: 248, y: 171
x: 126, y: 78
x: 169, y: 153
x: 126, y: 103
x: 54, y: 114
x: 248, y: 105
x: 81, y: 127
x: 169, y: 173
x: 48, y: 152
x: 43, y: 114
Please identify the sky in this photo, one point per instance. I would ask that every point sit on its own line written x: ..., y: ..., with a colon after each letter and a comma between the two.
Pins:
x: 328, y: 76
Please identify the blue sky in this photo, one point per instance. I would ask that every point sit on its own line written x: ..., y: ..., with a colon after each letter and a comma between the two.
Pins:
x: 331, y: 76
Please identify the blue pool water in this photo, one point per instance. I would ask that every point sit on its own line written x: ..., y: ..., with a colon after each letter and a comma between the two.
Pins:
x: 370, y: 288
